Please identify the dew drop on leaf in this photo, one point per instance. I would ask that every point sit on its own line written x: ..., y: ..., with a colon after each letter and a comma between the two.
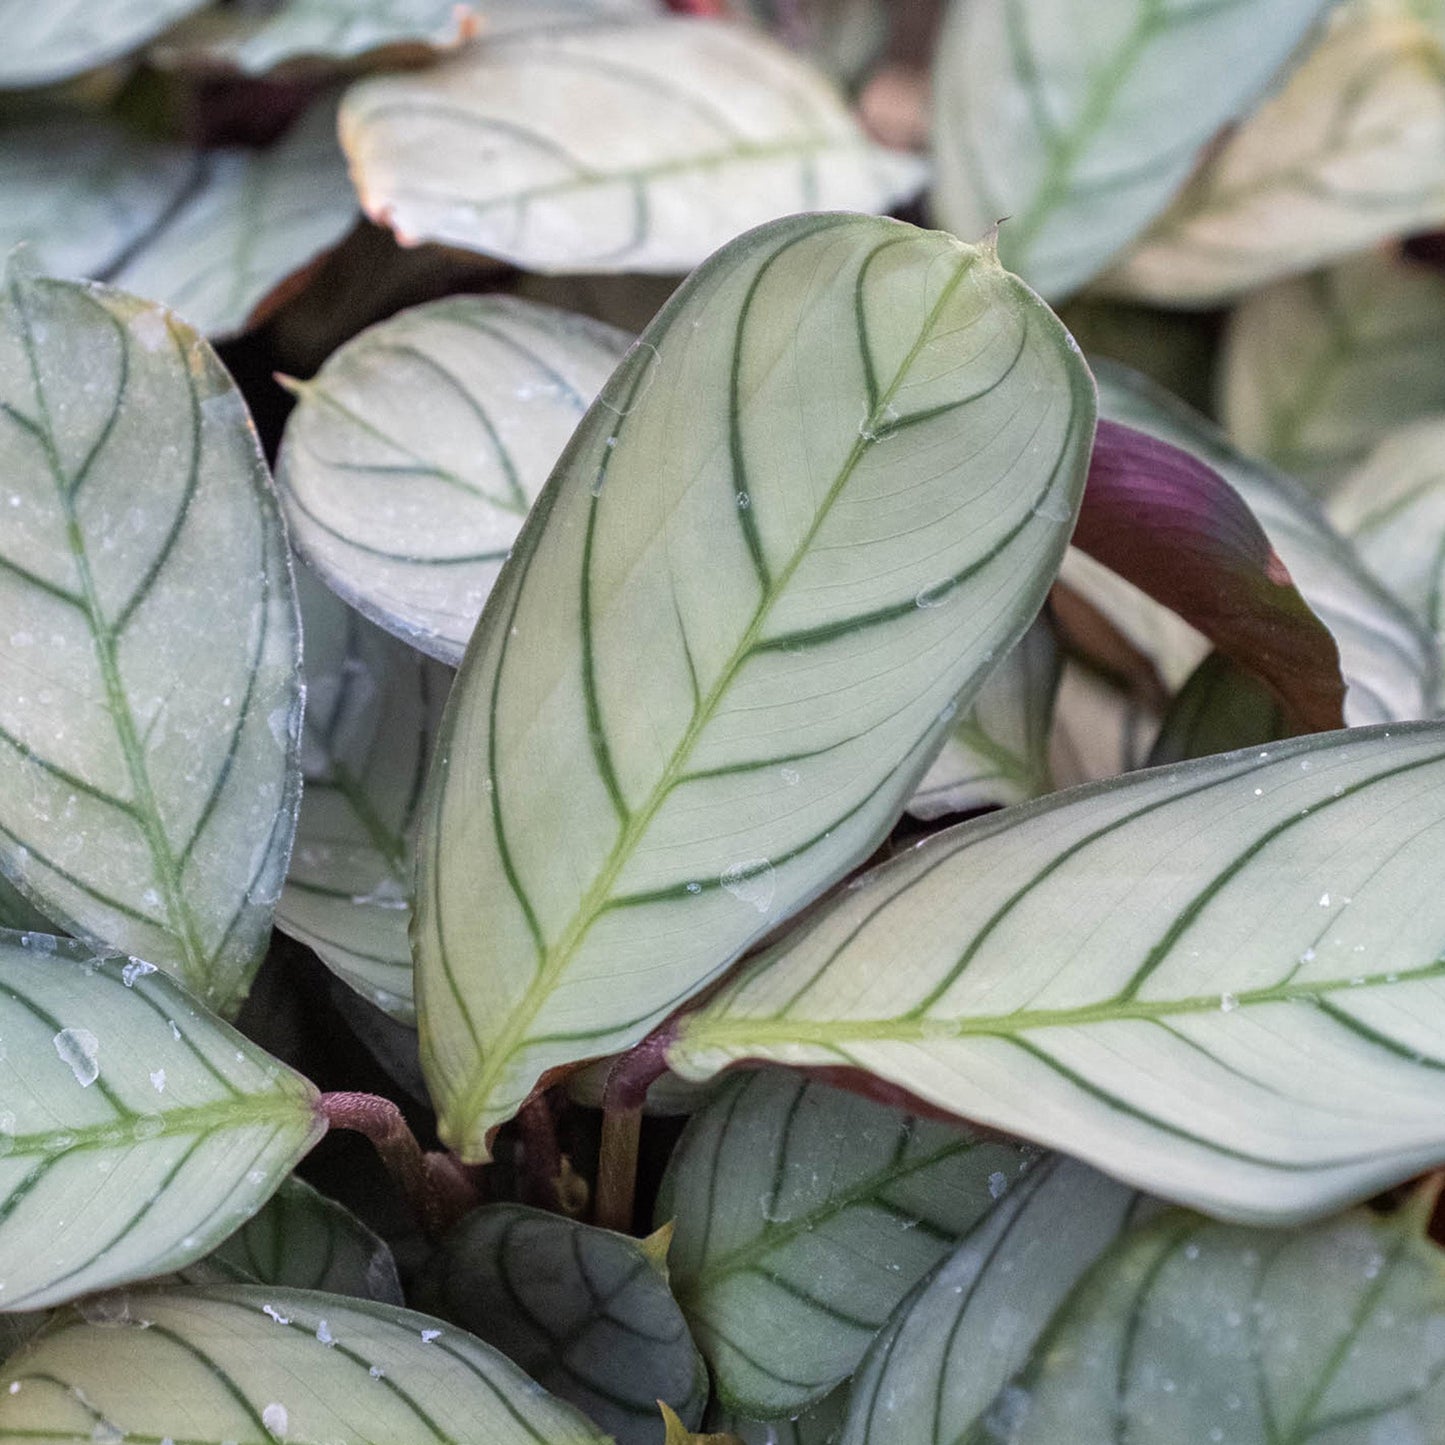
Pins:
x: 80, y: 1049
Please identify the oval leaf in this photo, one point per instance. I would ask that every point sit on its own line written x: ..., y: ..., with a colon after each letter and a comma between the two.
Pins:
x: 373, y: 712
x: 637, y: 147
x: 1243, y: 1012
x: 802, y: 1217
x: 412, y: 457
x: 254, y: 1363
x: 1078, y: 119
x: 137, y: 1131
x: 705, y: 686
x: 46, y: 43
x: 584, y: 1311
x: 148, y: 750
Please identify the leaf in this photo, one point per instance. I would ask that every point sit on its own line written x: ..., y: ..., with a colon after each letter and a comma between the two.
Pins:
x: 303, y: 1240
x: 148, y: 768
x: 1242, y: 1014
x: 640, y: 147
x: 220, y: 236
x: 1387, y: 660
x: 582, y: 1310
x: 847, y: 37
x: 937, y: 1373
x: 1218, y: 709
x: 373, y: 713
x: 676, y: 1433
x: 16, y: 911
x: 46, y: 43
x: 708, y: 603
x: 1348, y: 152
x: 1189, y: 1330
x: 1100, y: 729
x: 1166, y: 521
x: 392, y: 1044
x: 803, y: 1216
x: 1078, y: 119
x: 818, y: 1426
x: 137, y: 1131
x: 411, y: 459
x: 248, y: 1363
x: 1317, y: 368
x: 997, y: 753
x: 15, y: 1329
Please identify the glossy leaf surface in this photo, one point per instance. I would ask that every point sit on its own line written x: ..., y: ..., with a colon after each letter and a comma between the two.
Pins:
x: 802, y: 1216
x: 136, y: 1132
x: 638, y: 147
x: 730, y: 636
x: 47, y: 43
x: 412, y: 457
x: 1243, y: 1014
x: 1078, y: 119
x: 583, y: 1311
x: 148, y: 744
x: 252, y: 1364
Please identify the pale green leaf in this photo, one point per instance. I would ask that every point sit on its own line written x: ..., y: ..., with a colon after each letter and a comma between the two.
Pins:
x: 60, y: 38
x: 582, y: 1310
x: 1317, y: 368
x: 818, y: 1426
x: 1349, y: 151
x: 704, y: 687
x: 1244, y: 1011
x: 639, y: 147
x: 936, y: 1375
x: 1387, y: 659
x: 137, y: 1131
x: 997, y: 752
x: 1192, y: 1331
x: 803, y: 1215
x: 1219, y: 708
x: 148, y: 741
x: 1078, y: 119
x: 303, y: 1240
x: 373, y: 711
x: 412, y: 457
x: 252, y: 1364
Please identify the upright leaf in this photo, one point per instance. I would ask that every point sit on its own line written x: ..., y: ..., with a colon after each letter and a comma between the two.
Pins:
x: 412, y: 457
x: 148, y: 743
x: 50, y: 42
x: 136, y: 1132
x: 1078, y: 119
x: 1218, y: 709
x: 1350, y: 151
x: 373, y: 713
x: 584, y: 1311
x: 638, y: 147
x: 828, y: 485
x: 1243, y: 1012
x: 252, y: 1363
x: 802, y: 1217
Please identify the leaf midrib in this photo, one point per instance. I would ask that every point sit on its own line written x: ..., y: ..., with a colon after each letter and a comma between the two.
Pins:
x: 472, y: 1097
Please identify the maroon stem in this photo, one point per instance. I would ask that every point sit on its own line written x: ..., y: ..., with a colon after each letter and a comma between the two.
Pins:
x: 541, y: 1156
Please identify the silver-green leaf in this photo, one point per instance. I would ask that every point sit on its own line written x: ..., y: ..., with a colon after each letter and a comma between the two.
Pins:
x: 136, y: 1130
x: 731, y: 634
x: 414, y: 454
x: 148, y: 743
x: 1244, y: 1011
x: 803, y: 1215
x: 53, y: 41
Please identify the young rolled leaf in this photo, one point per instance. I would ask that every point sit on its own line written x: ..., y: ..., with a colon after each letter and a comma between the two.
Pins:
x: 1168, y: 522
x: 254, y: 1363
x: 997, y: 753
x: 148, y: 744
x: 826, y: 488
x: 51, y: 42
x: 137, y: 1131
x: 802, y: 1216
x: 1218, y: 709
x: 303, y: 1240
x: 1244, y: 1012
x: 412, y: 457
x: 937, y: 1374
x: 373, y: 712
x: 1387, y: 659
x: 1189, y: 1330
x: 1078, y: 119
x: 640, y: 147
x: 583, y: 1311
x: 1350, y: 151
x: 1316, y: 369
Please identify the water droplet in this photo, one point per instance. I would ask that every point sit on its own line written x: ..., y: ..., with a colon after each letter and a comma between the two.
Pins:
x: 1228, y: 1003
x: 323, y: 1333
x: 938, y: 595
x: 744, y: 501
x: 1308, y: 956
x: 136, y: 968
x: 791, y: 776
x: 147, y: 1126
x: 427, y: 1336
x: 274, y: 1314
x: 376, y: 1372
x: 1053, y: 508
x: 158, y: 1080
x: 80, y: 1049
x: 997, y: 1184
x: 276, y: 1419
x: 751, y: 881
x: 1324, y: 900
